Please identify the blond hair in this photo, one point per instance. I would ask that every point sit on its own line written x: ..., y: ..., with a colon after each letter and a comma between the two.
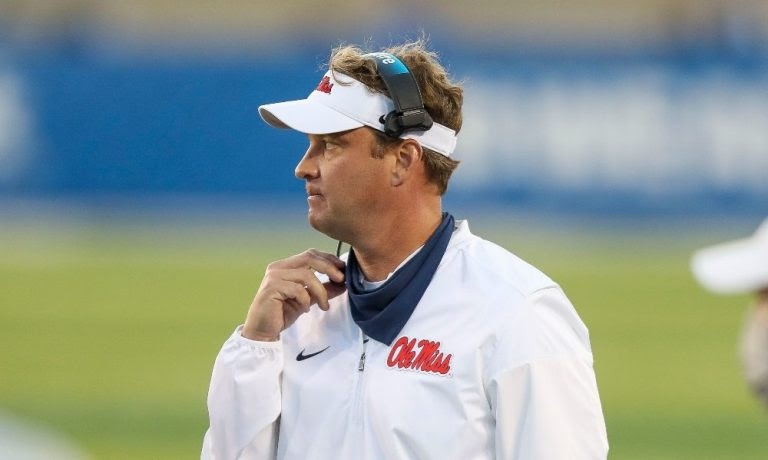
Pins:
x: 442, y: 97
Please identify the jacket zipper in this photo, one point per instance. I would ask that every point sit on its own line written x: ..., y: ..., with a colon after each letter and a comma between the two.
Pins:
x: 358, y: 396
x: 361, y: 364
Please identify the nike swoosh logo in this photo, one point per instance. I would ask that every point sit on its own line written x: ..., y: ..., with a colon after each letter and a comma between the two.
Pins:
x: 301, y: 356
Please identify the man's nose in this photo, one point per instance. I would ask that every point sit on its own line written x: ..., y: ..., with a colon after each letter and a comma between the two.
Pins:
x: 307, y: 167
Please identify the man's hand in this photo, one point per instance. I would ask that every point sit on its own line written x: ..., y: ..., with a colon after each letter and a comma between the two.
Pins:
x: 288, y: 289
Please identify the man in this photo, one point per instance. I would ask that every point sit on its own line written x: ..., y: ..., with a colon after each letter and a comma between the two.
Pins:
x: 425, y: 341
x: 738, y: 267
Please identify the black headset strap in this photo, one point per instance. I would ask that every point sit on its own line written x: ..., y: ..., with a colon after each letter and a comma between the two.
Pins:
x: 404, y: 92
x: 399, y: 81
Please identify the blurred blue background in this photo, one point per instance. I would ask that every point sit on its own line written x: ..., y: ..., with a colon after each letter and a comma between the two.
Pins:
x: 596, y: 107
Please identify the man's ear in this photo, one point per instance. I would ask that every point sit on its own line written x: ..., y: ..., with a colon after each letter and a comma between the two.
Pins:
x: 407, y: 156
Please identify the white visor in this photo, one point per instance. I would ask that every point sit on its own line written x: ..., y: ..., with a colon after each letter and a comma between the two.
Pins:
x: 343, y: 103
x: 734, y: 267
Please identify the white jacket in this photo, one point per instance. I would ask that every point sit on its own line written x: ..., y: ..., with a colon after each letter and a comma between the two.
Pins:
x: 493, y: 363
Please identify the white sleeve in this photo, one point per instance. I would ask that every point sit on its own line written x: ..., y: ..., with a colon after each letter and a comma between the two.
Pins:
x: 542, y: 387
x: 244, y: 400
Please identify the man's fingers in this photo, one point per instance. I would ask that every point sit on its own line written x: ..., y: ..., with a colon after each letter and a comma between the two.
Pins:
x: 330, y: 290
x: 321, y: 264
x: 307, y: 279
x: 340, y: 264
x: 294, y: 278
x: 313, y: 259
x: 289, y: 290
x: 319, y: 293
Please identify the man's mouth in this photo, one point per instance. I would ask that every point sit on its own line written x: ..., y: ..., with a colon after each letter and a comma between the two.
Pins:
x: 313, y: 194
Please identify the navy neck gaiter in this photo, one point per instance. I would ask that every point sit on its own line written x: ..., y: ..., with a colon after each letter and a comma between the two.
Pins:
x: 382, y: 312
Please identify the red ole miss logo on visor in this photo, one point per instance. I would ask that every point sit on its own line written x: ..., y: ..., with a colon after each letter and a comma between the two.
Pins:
x: 325, y: 85
x: 428, y: 357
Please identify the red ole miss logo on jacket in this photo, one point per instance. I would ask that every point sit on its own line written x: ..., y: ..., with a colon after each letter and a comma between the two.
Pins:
x: 428, y: 357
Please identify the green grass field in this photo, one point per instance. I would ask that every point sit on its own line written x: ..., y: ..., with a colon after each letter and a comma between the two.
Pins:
x: 108, y: 333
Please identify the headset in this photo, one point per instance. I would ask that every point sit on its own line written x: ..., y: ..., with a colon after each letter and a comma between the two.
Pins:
x: 409, y: 113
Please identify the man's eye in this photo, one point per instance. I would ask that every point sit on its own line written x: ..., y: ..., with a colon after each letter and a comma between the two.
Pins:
x: 329, y: 145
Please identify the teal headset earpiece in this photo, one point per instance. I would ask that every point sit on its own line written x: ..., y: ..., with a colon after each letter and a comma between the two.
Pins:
x: 409, y: 113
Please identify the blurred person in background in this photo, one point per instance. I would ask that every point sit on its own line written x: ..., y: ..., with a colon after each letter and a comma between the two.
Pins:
x: 739, y: 267
x: 424, y: 341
